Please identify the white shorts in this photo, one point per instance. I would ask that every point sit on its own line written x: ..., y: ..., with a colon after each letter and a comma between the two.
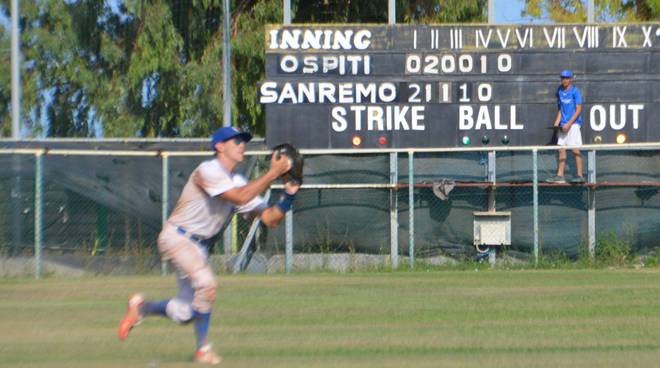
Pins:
x: 571, y: 138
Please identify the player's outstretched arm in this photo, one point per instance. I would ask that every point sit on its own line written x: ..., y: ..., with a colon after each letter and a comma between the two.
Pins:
x: 242, y: 195
x: 273, y: 215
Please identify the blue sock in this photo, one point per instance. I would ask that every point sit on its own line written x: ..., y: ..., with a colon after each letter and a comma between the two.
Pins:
x: 202, y: 321
x: 155, y: 307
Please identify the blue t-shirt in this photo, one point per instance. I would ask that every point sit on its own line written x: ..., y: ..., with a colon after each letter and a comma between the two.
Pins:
x: 567, y: 101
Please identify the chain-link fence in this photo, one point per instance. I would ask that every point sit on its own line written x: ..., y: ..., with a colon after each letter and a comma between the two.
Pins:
x: 103, y: 210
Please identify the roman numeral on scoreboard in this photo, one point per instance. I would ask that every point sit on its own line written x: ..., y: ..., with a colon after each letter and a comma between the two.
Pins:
x: 435, y: 39
x: 619, y: 37
x: 593, y: 40
x: 588, y: 37
x: 456, y: 38
x: 558, y: 38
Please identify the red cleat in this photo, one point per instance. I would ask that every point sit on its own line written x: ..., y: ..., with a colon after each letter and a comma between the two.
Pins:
x: 206, y: 355
x: 133, y: 316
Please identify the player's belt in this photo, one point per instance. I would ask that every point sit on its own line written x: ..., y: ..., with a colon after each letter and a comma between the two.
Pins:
x: 193, y: 237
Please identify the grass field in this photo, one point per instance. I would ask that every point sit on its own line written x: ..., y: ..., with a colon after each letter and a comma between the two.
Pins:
x: 558, y: 318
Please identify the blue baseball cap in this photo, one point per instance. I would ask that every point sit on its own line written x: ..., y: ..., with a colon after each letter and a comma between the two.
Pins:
x: 226, y: 133
x: 566, y: 74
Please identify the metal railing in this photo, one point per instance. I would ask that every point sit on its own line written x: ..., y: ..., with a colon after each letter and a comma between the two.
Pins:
x: 396, y: 184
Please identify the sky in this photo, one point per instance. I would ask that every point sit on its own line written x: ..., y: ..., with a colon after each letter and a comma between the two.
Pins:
x: 508, y: 11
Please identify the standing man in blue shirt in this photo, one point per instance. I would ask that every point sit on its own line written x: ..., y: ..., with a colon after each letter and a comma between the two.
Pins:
x: 569, y: 121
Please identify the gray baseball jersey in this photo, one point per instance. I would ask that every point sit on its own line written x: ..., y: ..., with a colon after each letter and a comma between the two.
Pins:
x: 199, y: 210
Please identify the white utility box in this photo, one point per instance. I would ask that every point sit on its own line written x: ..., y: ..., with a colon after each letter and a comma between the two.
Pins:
x: 492, y: 228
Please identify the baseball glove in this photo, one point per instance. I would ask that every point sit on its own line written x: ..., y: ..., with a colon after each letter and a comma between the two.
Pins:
x: 295, y: 174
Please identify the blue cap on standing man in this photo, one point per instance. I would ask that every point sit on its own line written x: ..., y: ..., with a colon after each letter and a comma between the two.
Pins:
x: 566, y: 74
x: 226, y: 133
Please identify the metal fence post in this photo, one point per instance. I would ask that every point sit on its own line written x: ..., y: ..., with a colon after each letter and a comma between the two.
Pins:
x: 15, y: 70
x: 591, y: 11
x: 227, y: 240
x: 166, y: 199
x: 491, y: 173
x: 226, y: 63
x: 394, y: 211
x: 535, y: 205
x: 411, y: 210
x: 101, y: 228
x: 286, y: 16
x: 234, y: 234
x: 288, y: 252
x: 17, y: 215
x: 38, y: 213
x: 227, y: 96
x: 591, y: 212
x: 492, y: 178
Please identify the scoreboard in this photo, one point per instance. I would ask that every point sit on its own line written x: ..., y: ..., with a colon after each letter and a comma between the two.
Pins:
x: 403, y: 86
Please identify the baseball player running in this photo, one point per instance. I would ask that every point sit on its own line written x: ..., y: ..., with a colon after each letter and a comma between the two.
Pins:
x: 209, y: 198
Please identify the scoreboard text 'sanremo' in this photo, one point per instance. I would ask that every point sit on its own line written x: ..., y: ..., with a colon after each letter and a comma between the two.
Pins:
x: 447, y: 86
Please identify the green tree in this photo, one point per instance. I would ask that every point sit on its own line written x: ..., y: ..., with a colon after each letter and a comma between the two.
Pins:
x: 416, y: 11
x: 58, y: 48
x: 445, y: 11
x: 340, y: 11
x: 248, y: 53
x: 141, y: 68
x: 605, y: 10
x: 169, y: 73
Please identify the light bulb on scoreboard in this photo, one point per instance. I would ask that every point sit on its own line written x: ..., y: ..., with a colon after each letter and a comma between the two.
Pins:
x: 466, y: 140
x: 485, y: 139
x: 505, y: 139
x: 382, y: 140
x: 621, y: 138
x: 356, y: 140
x: 598, y: 139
